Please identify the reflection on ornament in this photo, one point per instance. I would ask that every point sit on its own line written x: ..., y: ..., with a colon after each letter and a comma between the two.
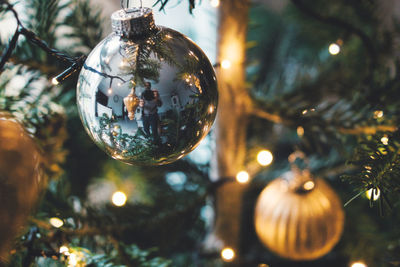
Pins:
x: 299, y: 219
x: 56, y: 222
x: 131, y: 102
x: 174, y: 100
x: 373, y: 193
x: 21, y: 179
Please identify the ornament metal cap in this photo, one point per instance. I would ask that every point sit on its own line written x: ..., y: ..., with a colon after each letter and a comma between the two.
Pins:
x: 133, y: 22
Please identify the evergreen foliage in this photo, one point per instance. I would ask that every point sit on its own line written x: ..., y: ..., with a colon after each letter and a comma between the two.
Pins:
x: 294, y: 82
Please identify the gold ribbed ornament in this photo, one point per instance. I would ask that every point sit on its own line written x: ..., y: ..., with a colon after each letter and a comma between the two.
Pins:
x: 299, y: 218
x: 131, y: 103
x: 21, y: 180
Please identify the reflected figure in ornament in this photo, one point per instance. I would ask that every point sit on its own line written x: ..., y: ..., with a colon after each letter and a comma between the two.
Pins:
x: 150, y: 101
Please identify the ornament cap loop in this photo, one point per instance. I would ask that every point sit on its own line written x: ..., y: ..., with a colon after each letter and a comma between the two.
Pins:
x: 133, y: 22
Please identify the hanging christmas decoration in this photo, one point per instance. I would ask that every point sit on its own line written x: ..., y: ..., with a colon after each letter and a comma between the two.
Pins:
x: 21, y: 179
x: 172, y: 79
x: 131, y: 103
x: 299, y: 218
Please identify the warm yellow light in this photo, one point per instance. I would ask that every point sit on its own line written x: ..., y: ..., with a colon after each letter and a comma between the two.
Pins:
x: 378, y: 114
x: 54, y: 81
x: 119, y: 198
x: 214, y: 3
x: 377, y: 193
x: 358, y: 264
x: 227, y: 254
x: 309, y: 185
x: 64, y: 250
x: 73, y: 260
x: 210, y: 109
x: 385, y: 140
x: 264, y: 157
x: 109, y: 91
x: 226, y: 64
x: 334, y: 49
x: 56, y: 222
x: 242, y: 177
x: 300, y: 131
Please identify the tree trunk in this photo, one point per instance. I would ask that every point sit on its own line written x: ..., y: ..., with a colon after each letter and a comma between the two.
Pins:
x: 231, y: 125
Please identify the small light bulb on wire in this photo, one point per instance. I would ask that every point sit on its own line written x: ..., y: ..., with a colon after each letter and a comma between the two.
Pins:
x: 264, y: 157
x: 334, y: 49
x: 54, y: 81
x: 242, y: 177
x: 227, y: 254
x: 119, y: 198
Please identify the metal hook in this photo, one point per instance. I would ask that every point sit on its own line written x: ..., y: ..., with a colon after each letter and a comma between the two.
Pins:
x: 127, y: 5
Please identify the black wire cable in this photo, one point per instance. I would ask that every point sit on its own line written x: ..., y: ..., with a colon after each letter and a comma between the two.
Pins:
x: 76, y: 62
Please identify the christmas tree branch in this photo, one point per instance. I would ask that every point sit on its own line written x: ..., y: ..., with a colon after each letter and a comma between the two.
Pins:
x: 357, y: 130
x: 368, y: 43
x: 266, y: 115
x: 76, y: 62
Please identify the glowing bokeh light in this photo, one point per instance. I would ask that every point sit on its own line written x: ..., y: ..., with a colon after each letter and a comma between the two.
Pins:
x: 119, y: 198
x: 264, y: 157
x: 334, y: 49
x: 242, y: 177
x: 227, y: 254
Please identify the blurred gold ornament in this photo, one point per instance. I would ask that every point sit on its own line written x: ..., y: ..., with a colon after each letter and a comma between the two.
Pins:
x: 299, y: 218
x: 21, y: 179
x: 131, y: 102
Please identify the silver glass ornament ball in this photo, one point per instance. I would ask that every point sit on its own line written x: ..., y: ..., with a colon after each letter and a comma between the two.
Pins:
x: 147, y: 95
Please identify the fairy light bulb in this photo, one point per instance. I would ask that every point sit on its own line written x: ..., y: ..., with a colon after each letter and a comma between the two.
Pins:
x: 358, y: 264
x: 54, y: 81
x: 265, y: 157
x: 227, y: 254
x: 334, y: 49
x: 119, y: 199
x: 242, y: 177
